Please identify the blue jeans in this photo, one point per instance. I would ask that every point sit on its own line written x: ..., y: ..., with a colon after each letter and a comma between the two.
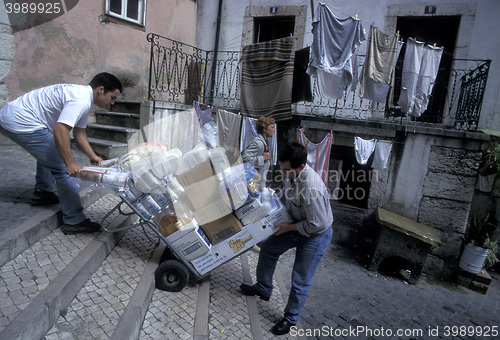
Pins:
x: 49, y: 168
x: 309, y: 251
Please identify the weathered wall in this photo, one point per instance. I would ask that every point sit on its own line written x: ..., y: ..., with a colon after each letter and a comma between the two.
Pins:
x: 77, y: 45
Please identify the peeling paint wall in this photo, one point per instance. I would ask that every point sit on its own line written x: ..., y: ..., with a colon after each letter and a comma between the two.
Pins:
x: 74, y: 47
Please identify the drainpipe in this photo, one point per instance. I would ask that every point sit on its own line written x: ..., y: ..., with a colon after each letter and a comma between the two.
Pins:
x: 216, y: 50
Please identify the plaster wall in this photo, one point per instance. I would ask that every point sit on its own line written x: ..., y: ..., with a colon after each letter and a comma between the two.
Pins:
x: 83, y: 42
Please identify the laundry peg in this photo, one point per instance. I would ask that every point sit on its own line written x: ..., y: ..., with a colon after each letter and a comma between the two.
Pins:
x: 434, y: 44
x: 356, y: 17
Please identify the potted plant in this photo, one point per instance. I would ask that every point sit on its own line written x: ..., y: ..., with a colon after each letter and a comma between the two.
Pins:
x: 479, y: 247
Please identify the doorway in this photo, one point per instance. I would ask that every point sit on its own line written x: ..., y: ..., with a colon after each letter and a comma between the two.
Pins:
x: 439, y: 30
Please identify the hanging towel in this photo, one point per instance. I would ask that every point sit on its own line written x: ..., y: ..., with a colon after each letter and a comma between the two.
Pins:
x: 301, y: 88
x: 228, y: 125
x: 427, y: 77
x: 420, y: 68
x: 381, y: 154
x: 363, y: 149
x: 318, y: 155
x: 248, y: 133
x: 334, y: 42
x: 204, y: 113
x: 377, y: 74
x: 266, y: 79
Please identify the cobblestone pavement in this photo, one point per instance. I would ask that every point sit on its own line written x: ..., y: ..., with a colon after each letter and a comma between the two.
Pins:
x: 346, y: 300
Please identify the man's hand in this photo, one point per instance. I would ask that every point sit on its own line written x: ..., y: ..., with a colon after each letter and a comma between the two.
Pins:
x: 284, y: 228
x: 95, y: 160
x: 266, y: 156
x: 73, y: 169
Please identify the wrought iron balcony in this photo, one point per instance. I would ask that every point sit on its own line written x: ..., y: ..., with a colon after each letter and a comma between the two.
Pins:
x: 181, y: 73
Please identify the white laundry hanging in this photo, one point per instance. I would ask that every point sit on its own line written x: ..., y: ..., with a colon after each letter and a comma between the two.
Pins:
x: 363, y: 149
x: 381, y: 154
x: 420, y: 68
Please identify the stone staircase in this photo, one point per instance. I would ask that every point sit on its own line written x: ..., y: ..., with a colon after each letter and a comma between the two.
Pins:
x: 112, y: 129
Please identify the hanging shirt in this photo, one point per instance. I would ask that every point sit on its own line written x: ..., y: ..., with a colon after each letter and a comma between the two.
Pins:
x: 318, y: 155
x: 334, y: 42
x: 377, y: 74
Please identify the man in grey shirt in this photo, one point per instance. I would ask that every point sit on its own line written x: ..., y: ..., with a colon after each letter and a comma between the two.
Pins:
x: 306, y: 199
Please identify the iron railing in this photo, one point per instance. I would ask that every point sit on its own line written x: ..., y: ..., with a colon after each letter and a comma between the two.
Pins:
x: 181, y: 73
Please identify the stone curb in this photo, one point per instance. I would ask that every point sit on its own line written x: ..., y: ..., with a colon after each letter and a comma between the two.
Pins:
x: 17, y: 240
x: 132, y: 318
x: 41, y: 314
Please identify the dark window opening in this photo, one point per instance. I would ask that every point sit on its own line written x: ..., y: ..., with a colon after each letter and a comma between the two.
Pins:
x: 270, y: 28
x: 439, y: 30
x: 353, y: 179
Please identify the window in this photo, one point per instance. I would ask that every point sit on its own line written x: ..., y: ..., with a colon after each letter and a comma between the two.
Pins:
x: 270, y: 28
x: 129, y: 10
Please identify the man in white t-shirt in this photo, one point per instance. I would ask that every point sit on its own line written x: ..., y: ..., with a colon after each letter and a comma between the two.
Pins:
x: 41, y: 121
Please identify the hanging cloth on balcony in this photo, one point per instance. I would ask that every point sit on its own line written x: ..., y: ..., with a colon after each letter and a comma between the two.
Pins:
x: 378, y: 72
x: 301, y: 89
x: 334, y: 43
x: 248, y: 133
x: 381, y: 154
x: 266, y: 79
x: 318, y: 155
x: 363, y: 149
x: 420, y: 68
x: 228, y: 126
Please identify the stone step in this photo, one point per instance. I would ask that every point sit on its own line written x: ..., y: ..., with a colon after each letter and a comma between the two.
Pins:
x: 108, y: 149
x: 129, y: 106
x: 42, y: 281
x: 130, y: 120
x: 110, y: 132
x: 102, y: 286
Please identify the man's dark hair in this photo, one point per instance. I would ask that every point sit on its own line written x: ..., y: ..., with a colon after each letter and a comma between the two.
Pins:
x: 295, y: 153
x: 109, y: 81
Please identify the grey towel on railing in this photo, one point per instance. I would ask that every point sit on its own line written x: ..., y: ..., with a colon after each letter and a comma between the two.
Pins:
x: 266, y: 79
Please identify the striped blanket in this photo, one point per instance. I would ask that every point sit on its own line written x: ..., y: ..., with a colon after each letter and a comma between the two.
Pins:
x: 266, y: 79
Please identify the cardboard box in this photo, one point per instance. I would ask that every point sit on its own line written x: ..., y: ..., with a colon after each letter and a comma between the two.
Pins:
x: 198, y: 173
x: 245, y: 239
x: 278, y: 212
x: 212, y: 211
x: 235, y: 245
x: 205, y: 192
x: 206, y: 263
x: 189, y: 242
x: 222, y: 228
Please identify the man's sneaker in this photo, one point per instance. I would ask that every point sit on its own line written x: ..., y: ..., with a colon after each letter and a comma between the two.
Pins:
x: 84, y: 227
x: 44, y: 198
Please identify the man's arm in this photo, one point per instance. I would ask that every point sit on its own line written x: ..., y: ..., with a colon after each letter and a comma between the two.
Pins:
x: 62, y: 141
x: 82, y: 140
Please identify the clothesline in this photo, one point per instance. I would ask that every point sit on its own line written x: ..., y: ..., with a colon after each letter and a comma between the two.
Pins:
x: 405, y: 38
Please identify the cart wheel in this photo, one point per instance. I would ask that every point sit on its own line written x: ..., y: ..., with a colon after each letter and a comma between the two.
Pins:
x: 171, y: 276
